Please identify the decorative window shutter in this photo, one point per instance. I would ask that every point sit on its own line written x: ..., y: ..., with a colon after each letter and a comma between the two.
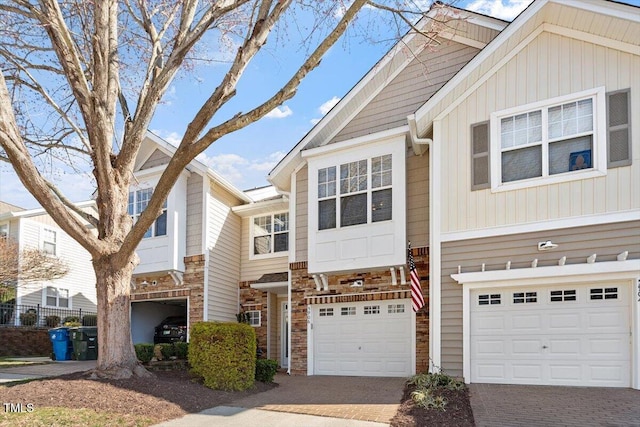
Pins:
x: 618, y: 128
x: 480, y: 171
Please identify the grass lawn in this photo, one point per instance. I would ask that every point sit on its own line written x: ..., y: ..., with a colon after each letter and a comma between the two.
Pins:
x: 5, y: 362
x: 52, y: 416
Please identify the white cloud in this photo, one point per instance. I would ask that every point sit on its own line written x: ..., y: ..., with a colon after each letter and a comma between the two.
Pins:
x: 240, y: 171
x: 314, y: 121
x: 327, y: 106
x: 501, y: 9
x: 279, y: 112
x: 265, y: 165
x: 173, y: 138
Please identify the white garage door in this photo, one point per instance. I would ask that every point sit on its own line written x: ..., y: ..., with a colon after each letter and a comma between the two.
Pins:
x: 370, y: 339
x: 559, y: 335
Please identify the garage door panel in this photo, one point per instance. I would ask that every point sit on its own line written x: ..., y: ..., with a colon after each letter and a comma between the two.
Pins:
x: 374, y: 340
x: 580, y: 341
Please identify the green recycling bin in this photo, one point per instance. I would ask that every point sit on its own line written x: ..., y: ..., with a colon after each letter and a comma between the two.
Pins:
x: 85, y: 342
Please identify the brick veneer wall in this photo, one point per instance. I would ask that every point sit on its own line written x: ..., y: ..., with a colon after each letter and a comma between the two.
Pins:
x: 255, y: 299
x: 377, y: 286
x: 165, y: 287
x: 25, y: 342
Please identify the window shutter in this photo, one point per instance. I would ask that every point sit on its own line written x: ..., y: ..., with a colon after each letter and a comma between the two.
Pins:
x: 618, y: 128
x: 480, y: 156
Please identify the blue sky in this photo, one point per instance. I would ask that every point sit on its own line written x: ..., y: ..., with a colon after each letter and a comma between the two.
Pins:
x: 245, y: 157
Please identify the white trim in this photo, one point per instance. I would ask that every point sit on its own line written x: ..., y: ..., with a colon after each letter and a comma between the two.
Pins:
x: 268, y: 286
x: 57, y: 305
x: 575, y: 273
x: 592, y: 38
x: 284, y: 357
x: 205, y: 289
x: 435, y: 285
x: 289, y: 322
x: 355, y: 142
x: 272, y: 253
x: 261, y: 207
x: 601, y: 8
x: 41, y: 211
x: 293, y: 213
x: 57, y: 234
x: 548, y: 225
x: 463, y: 40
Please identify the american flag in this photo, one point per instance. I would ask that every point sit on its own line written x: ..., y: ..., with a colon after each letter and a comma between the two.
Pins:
x: 417, y: 300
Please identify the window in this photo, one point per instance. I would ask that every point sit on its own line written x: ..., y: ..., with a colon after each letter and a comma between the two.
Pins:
x: 395, y: 308
x: 4, y: 231
x: 489, y: 299
x: 138, y: 201
x: 348, y: 311
x: 56, y: 297
x: 606, y: 293
x: 372, y: 309
x: 49, y: 242
x: 270, y: 234
x: 363, y: 195
x: 253, y: 317
x: 547, y: 141
x: 326, y: 312
x: 565, y: 295
x: 525, y: 297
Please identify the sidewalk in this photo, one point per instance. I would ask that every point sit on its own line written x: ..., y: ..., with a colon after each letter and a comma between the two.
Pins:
x: 46, y: 368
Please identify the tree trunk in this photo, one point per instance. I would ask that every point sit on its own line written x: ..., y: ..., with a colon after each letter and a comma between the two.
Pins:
x: 116, y: 356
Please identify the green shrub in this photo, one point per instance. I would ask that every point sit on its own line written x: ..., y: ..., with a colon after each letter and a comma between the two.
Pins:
x: 29, y: 318
x: 223, y: 354
x: 181, y: 350
x: 168, y: 350
x: 71, y: 321
x: 52, y: 321
x: 436, y: 380
x: 144, y: 352
x: 424, y: 398
x: 265, y: 370
x: 90, y: 320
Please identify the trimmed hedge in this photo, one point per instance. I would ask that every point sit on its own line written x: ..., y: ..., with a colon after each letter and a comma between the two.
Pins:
x: 144, y: 352
x: 265, y: 370
x: 223, y: 354
x: 179, y: 350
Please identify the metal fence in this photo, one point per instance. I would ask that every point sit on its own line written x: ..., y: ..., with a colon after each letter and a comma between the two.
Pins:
x: 31, y: 316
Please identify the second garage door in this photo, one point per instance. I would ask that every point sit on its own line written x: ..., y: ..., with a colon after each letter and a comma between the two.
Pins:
x: 363, y: 338
x: 555, y: 335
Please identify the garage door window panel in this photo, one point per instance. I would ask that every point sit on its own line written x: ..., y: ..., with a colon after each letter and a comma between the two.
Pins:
x: 373, y: 309
x: 603, y: 294
x: 395, y: 308
x: 326, y: 312
x: 525, y: 297
x: 489, y: 299
x: 348, y: 311
x: 563, y: 295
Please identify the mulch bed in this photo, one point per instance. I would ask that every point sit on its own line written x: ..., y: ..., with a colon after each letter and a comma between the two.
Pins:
x: 168, y: 395
x: 457, y: 412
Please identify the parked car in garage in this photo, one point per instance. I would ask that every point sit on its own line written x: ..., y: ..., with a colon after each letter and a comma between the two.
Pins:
x: 171, y: 329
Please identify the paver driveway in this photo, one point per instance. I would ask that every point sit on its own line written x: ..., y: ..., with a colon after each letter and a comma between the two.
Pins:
x: 499, y: 405
x: 357, y: 398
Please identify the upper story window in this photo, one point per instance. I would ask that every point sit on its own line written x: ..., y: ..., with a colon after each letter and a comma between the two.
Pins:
x: 270, y: 234
x: 138, y: 201
x: 364, y: 193
x: 4, y: 231
x: 57, y: 297
x: 49, y: 242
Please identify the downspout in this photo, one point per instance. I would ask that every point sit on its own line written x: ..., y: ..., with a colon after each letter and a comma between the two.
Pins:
x: 420, y: 146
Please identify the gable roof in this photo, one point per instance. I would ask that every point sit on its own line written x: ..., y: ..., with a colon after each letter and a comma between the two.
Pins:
x: 380, y: 75
x: 598, y: 21
x: 153, y: 142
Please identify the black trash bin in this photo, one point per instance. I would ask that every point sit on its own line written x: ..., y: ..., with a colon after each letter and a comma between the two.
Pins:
x: 85, y: 342
x: 62, y: 346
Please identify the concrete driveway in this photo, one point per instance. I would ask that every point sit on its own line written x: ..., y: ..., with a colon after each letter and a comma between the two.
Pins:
x: 498, y: 405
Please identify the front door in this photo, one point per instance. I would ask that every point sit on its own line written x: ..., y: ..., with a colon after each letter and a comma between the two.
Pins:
x: 284, y: 344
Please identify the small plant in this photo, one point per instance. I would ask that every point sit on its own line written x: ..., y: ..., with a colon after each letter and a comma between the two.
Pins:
x: 243, y: 317
x: 52, y: 321
x: 144, y: 352
x: 425, y: 399
x: 265, y: 370
x: 71, y: 321
x: 427, y: 385
x: 181, y: 350
x: 30, y: 318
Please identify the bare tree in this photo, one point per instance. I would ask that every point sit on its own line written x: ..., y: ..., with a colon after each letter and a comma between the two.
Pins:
x: 28, y: 265
x: 70, y: 69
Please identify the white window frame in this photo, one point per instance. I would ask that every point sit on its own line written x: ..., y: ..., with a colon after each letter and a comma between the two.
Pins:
x: 599, y: 142
x: 254, y: 320
x: 55, y: 243
x: 271, y: 253
x: 57, y: 296
x: 134, y: 195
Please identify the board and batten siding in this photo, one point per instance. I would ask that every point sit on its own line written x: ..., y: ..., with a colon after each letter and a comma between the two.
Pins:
x: 578, y: 243
x: 80, y: 281
x: 551, y: 65
x: 194, y: 214
x: 223, y: 240
x: 427, y: 73
x: 253, y: 269
x: 302, y: 216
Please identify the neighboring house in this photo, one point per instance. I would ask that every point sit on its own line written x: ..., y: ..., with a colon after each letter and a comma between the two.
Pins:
x: 478, y: 151
x: 358, y: 195
x: 190, y: 257
x: 535, y: 202
x: 72, y: 294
